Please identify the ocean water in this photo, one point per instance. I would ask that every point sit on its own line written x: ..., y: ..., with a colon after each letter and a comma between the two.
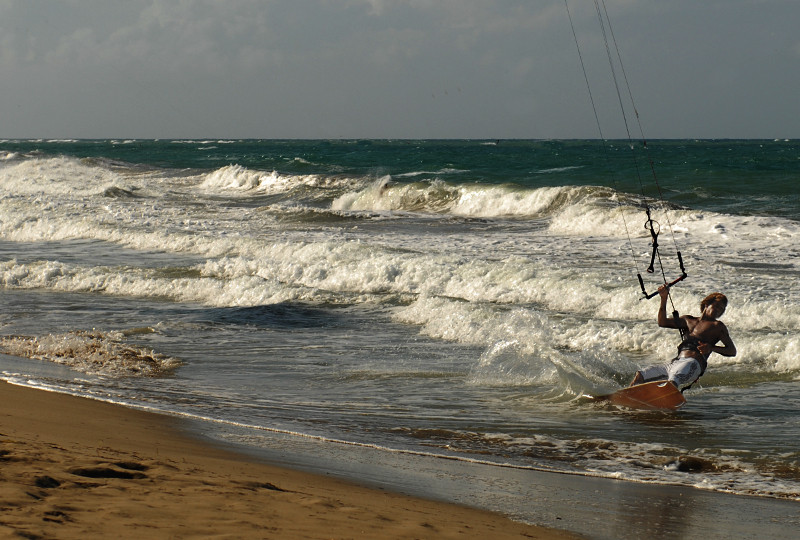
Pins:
x: 448, y: 300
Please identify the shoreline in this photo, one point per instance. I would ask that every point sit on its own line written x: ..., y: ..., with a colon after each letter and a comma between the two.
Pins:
x: 76, y: 467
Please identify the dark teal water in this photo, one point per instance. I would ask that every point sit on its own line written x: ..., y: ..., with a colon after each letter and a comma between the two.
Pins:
x: 738, y: 176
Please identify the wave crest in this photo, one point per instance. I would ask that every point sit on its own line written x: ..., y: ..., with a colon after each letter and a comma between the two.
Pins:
x: 570, y: 208
x: 61, y: 176
x: 241, y: 179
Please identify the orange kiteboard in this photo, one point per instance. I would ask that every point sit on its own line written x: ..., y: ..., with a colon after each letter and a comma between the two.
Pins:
x: 650, y: 396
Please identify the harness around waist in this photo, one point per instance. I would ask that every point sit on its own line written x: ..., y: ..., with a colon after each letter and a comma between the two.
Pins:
x: 691, y: 343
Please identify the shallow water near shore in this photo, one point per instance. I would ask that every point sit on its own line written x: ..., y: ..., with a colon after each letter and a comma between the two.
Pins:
x: 449, y: 301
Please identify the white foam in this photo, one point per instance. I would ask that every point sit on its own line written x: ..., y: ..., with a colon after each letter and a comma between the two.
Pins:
x: 103, y: 353
x: 462, y: 200
x: 242, y: 291
x: 445, y: 171
x: 341, y: 270
x: 580, y: 211
x: 56, y: 177
x: 235, y: 178
x: 578, y: 296
x: 524, y: 345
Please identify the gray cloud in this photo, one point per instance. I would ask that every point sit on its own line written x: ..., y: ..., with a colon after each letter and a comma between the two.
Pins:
x: 391, y: 68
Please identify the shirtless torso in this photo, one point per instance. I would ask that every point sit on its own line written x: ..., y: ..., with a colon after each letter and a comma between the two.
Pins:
x: 706, y: 330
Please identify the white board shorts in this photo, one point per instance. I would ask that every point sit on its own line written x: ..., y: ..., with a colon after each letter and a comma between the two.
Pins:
x: 682, y: 371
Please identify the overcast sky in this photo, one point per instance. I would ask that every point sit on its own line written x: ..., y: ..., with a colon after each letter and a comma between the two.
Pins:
x: 393, y: 68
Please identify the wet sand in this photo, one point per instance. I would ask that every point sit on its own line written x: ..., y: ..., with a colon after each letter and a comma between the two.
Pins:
x: 79, y: 468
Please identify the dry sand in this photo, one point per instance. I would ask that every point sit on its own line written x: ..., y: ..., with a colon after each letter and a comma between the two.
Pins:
x: 78, y: 468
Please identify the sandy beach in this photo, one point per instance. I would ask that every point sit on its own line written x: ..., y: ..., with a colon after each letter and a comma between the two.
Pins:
x: 78, y: 468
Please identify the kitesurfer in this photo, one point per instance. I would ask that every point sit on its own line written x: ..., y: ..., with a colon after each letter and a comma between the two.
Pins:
x: 701, y: 337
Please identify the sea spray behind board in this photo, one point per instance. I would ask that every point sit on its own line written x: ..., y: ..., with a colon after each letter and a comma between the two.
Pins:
x: 446, y: 297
